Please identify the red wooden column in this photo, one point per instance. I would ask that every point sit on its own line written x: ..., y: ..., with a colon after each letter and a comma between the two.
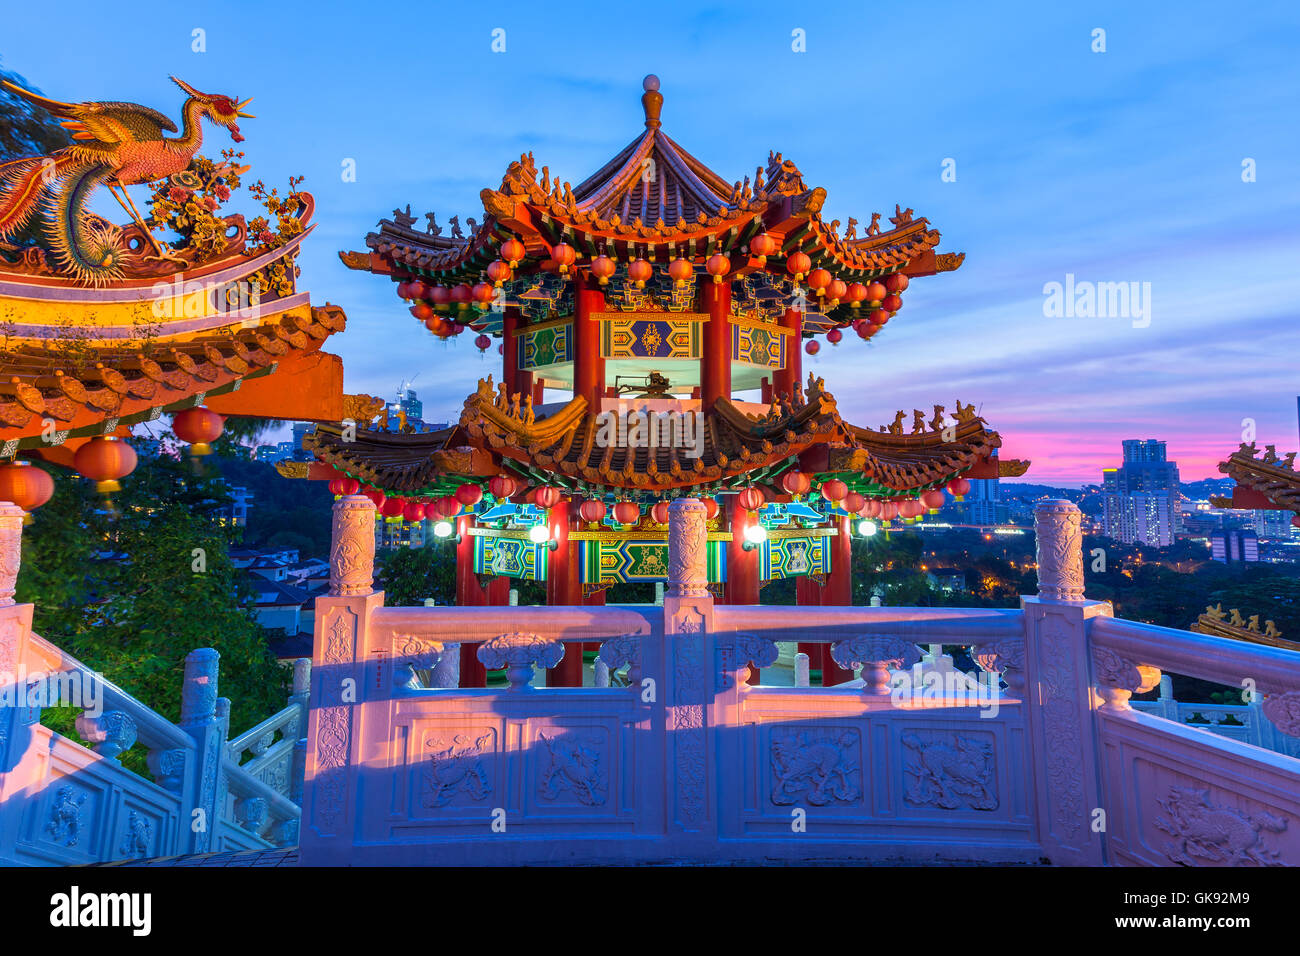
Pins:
x: 808, y: 594
x: 715, y: 362
x: 468, y: 594
x: 564, y: 588
x: 588, y: 366
x: 742, y: 566
x: 785, y: 379
x: 837, y: 592
x: 516, y: 379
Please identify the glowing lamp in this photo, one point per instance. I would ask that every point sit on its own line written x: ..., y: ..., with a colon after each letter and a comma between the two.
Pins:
x: 443, y: 529
x: 867, y: 527
x: 539, y: 534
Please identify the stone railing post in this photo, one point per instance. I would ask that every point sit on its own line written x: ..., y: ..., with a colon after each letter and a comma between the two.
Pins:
x: 11, y: 549
x: 21, y: 765
x: 341, y: 650
x: 1059, y: 696
x: 684, y: 672
x: 202, y: 719
x: 299, y: 698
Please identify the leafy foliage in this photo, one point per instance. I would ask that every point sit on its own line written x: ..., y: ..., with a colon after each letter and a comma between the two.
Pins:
x: 26, y: 130
x: 410, y: 575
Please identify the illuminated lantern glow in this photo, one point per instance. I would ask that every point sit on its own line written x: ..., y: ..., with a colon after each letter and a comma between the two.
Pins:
x: 413, y: 510
x: 440, y: 327
x: 796, y: 483
x: 853, y: 503
x: 911, y: 508
x: 751, y: 499
x: 422, y: 311
x: 836, y: 291
x: 502, y: 486
x: 818, y: 280
x: 603, y: 268
x: 513, y: 252
x: 25, y: 485
x: 640, y: 271
x: 834, y: 490
x: 483, y: 342
x: 199, y: 426
x: 439, y: 297
x: 871, y: 509
x: 483, y: 294
x: 344, y: 486
x: 416, y: 289
x: 375, y: 494
x: 718, y: 266
x: 592, y: 510
x: 627, y: 512
x: 878, y: 317
x: 959, y: 488
x: 680, y: 270
x: 763, y: 246
x: 546, y: 497
x: 865, y: 329
x: 448, y: 506
x: 891, y: 303
x: 798, y: 265
x: 393, y: 507
x: 104, y: 461
x: 498, y: 272
x: 876, y: 291
x: 710, y: 508
x: 812, y: 347
x: 834, y: 336
x: 933, y: 500
x: 461, y: 295
x: 469, y: 494
x: 855, y: 294
x: 660, y: 513
x: 896, y: 282
x: 563, y: 255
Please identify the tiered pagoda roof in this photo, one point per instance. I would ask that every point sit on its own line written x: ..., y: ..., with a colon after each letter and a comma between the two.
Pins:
x: 1267, y: 483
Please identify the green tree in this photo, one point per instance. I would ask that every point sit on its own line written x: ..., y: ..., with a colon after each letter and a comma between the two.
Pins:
x: 410, y: 575
x: 26, y: 130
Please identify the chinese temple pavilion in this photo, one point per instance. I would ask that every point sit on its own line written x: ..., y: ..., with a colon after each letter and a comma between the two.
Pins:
x: 649, y: 295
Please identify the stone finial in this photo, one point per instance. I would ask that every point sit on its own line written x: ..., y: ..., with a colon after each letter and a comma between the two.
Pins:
x: 1058, y: 527
x: 199, y: 692
x: 352, y: 551
x: 11, y: 548
x: 652, y: 101
x: 301, y: 676
x: 687, y: 549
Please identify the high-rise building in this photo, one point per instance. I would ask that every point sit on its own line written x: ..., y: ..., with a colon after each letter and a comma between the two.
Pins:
x: 1229, y: 547
x: 983, y: 502
x: 1140, y: 499
x: 1273, y: 524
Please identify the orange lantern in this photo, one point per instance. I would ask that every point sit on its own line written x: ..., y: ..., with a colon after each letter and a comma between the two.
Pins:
x: 763, y: 246
x: 603, y: 267
x: 199, y: 426
x: 818, y: 280
x: 836, y: 291
x: 439, y: 296
x: 564, y: 256
x: 856, y: 293
x: 627, y: 512
x: 498, y: 272
x: 853, y: 503
x: 896, y: 282
x: 711, y: 508
x: 640, y: 272
x: 591, y: 510
x: 796, y: 483
x: 681, y: 270
x: 25, y: 485
x: 798, y: 265
x: 660, y: 512
x: 344, y: 486
x: 834, y: 490
x: 461, y: 295
x: 718, y: 266
x: 104, y: 461
x: 513, y: 252
x: 876, y: 291
x: 933, y: 500
x: 959, y: 488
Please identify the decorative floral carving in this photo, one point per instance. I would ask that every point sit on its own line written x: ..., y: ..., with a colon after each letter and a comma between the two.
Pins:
x: 817, y: 765
x: 1058, y: 527
x: 65, y: 816
x: 1061, y: 727
x: 875, y: 654
x: 687, y: 549
x: 740, y: 650
x: 11, y: 545
x: 1119, y: 678
x: 251, y: 813
x: 1207, y: 834
x: 575, y: 765
x: 950, y: 771
x: 135, y: 841
x: 411, y: 654
x: 519, y: 652
x: 1005, y: 658
x: 109, y: 734
x: 352, y: 554
x: 1284, y: 711
x: 453, y: 767
x: 626, y: 649
x: 687, y: 722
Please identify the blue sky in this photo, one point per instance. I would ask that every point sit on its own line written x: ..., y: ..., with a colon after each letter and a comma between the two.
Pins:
x: 1117, y: 166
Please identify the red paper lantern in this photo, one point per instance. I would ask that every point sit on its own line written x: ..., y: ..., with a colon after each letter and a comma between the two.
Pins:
x: 375, y: 494
x: 710, y: 508
x: 896, y: 282
x: 563, y: 255
x: 856, y: 293
x: 513, y: 251
x: 198, y: 426
x: 592, y: 510
x: 912, y: 508
x: 959, y: 488
x: 876, y: 291
x: 416, y: 289
x: 660, y: 512
x: 888, y: 510
x: 933, y: 499
x: 498, y: 272
x: 484, y: 293
x: 627, y: 512
x: 502, y: 486
x: 763, y: 246
x: 461, y: 295
x: 718, y: 266
x: 393, y: 507
x: 640, y: 272
x: 25, y: 485
x: 104, y: 461
x: 439, y: 296
x: 865, y: 329
x: 878, y: 317
x: 680, y: 270
x: 448, y: 506
x: 413, y: 510
x: 812, y: 347
x: 603, y: 268
x: 422, y: 311
x: 818, y: 280
x: 344, y: 486
x: 836, y: 291
x: 891, y: 303
x: 483, y: 342
x: 834, y: 490
x: 795, y: 483
x: 798, y: 265
x: 853, y: 503
x: 871, y: 509
x: 469, y: 494
x: 751, y: 499
x: 834, y: 336
x: 403, y: 290
x: 546, y: 497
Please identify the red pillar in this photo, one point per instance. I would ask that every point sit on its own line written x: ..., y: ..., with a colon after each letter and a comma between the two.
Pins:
x: 468, y: 594
x: 564, y: 588
x: 837, y: 592
x: 784, y: 379
x: 588, y: 366
x: 516, y: 379
x: 742, y: 566
x: 715, y: 363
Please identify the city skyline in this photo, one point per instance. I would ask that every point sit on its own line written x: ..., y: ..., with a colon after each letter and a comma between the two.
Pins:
x: 1062, y: 176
